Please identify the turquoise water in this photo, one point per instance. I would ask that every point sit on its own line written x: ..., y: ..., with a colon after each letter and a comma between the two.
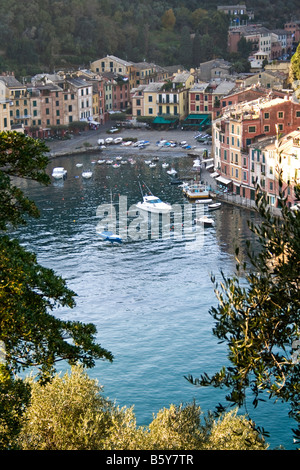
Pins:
x: 149, y: 297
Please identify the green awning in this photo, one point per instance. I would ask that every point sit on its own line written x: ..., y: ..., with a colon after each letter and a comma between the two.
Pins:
x: 161, y: 120
x: 200, y: 117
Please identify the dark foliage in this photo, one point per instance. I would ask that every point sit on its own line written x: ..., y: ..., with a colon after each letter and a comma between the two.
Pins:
x: 49, y: 34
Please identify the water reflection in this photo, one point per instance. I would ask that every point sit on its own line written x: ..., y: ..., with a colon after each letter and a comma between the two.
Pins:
x: 150, y: 297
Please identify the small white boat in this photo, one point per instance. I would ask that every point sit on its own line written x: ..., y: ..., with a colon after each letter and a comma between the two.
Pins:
x: 100, y: 162
x: 172, y: 171
x: 214, y: 206
x: 110, y: 236
x: 107, y: 234
x: 79, y: 165
x: 123, y: 162
x: 109, y: 140
x: 205, y: 221
x: 203, y: 201
x: 152, y: 165
x: 116, y: 165
x: 109, y: 162
x: 118, y: 140
x: 165, y: 165
x: 59, y: 173
x: 87, y: 174
x: 118, y: 158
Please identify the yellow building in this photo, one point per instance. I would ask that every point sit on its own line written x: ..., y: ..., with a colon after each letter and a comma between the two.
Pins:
x: 16, y: 94
x: 4, y: 109
x: 117, y: 66
x: 166, y: 101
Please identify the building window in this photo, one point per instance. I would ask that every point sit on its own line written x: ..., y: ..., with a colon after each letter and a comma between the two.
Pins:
x: 252, y: 129
x: 266, y: 128
x: 267, y: 115
x: 280, y: 114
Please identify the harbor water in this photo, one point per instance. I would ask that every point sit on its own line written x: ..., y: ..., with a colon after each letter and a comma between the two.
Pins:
x: 150, y: 296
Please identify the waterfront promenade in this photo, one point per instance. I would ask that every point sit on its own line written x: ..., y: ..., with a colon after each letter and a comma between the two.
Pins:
x: 88, y: 141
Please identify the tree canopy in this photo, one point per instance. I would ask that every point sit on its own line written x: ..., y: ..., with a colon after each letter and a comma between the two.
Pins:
x: 44, y: 35
x: 32, y: 335
x: 71, y: 413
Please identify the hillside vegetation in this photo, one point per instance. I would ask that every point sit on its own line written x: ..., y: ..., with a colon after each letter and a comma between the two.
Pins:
x: 51, y: 34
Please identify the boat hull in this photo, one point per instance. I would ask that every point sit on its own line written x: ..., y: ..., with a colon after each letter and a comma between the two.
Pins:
x: 214, y: 207
x: 154, y: 210
x: 110, y: 236
x: 205, y: 221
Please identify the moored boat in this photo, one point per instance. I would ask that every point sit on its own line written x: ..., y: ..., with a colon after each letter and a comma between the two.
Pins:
x: 205, y: 221
x: 153, y: 204
x: 196, y: 191
x: 214, y: 206
x: 59, y: 173
x: 87, y: 174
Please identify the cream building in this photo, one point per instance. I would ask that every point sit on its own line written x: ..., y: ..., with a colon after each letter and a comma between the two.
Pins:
x: 4, y: 109
x: 164, y: 101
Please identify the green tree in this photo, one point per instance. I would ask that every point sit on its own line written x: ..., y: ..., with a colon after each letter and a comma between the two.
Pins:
x: 168, y: 19
x: 31, y: 335
x: 20, y: 157
x: 294, y: 73
x: 186, y: 48
x: 71, y: 413
x: 258, y: 315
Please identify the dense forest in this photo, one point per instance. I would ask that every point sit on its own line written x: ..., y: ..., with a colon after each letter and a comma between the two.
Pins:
x: 46, y: 35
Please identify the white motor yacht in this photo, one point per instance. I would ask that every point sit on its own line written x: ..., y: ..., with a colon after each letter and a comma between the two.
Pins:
x: 154, y: 204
